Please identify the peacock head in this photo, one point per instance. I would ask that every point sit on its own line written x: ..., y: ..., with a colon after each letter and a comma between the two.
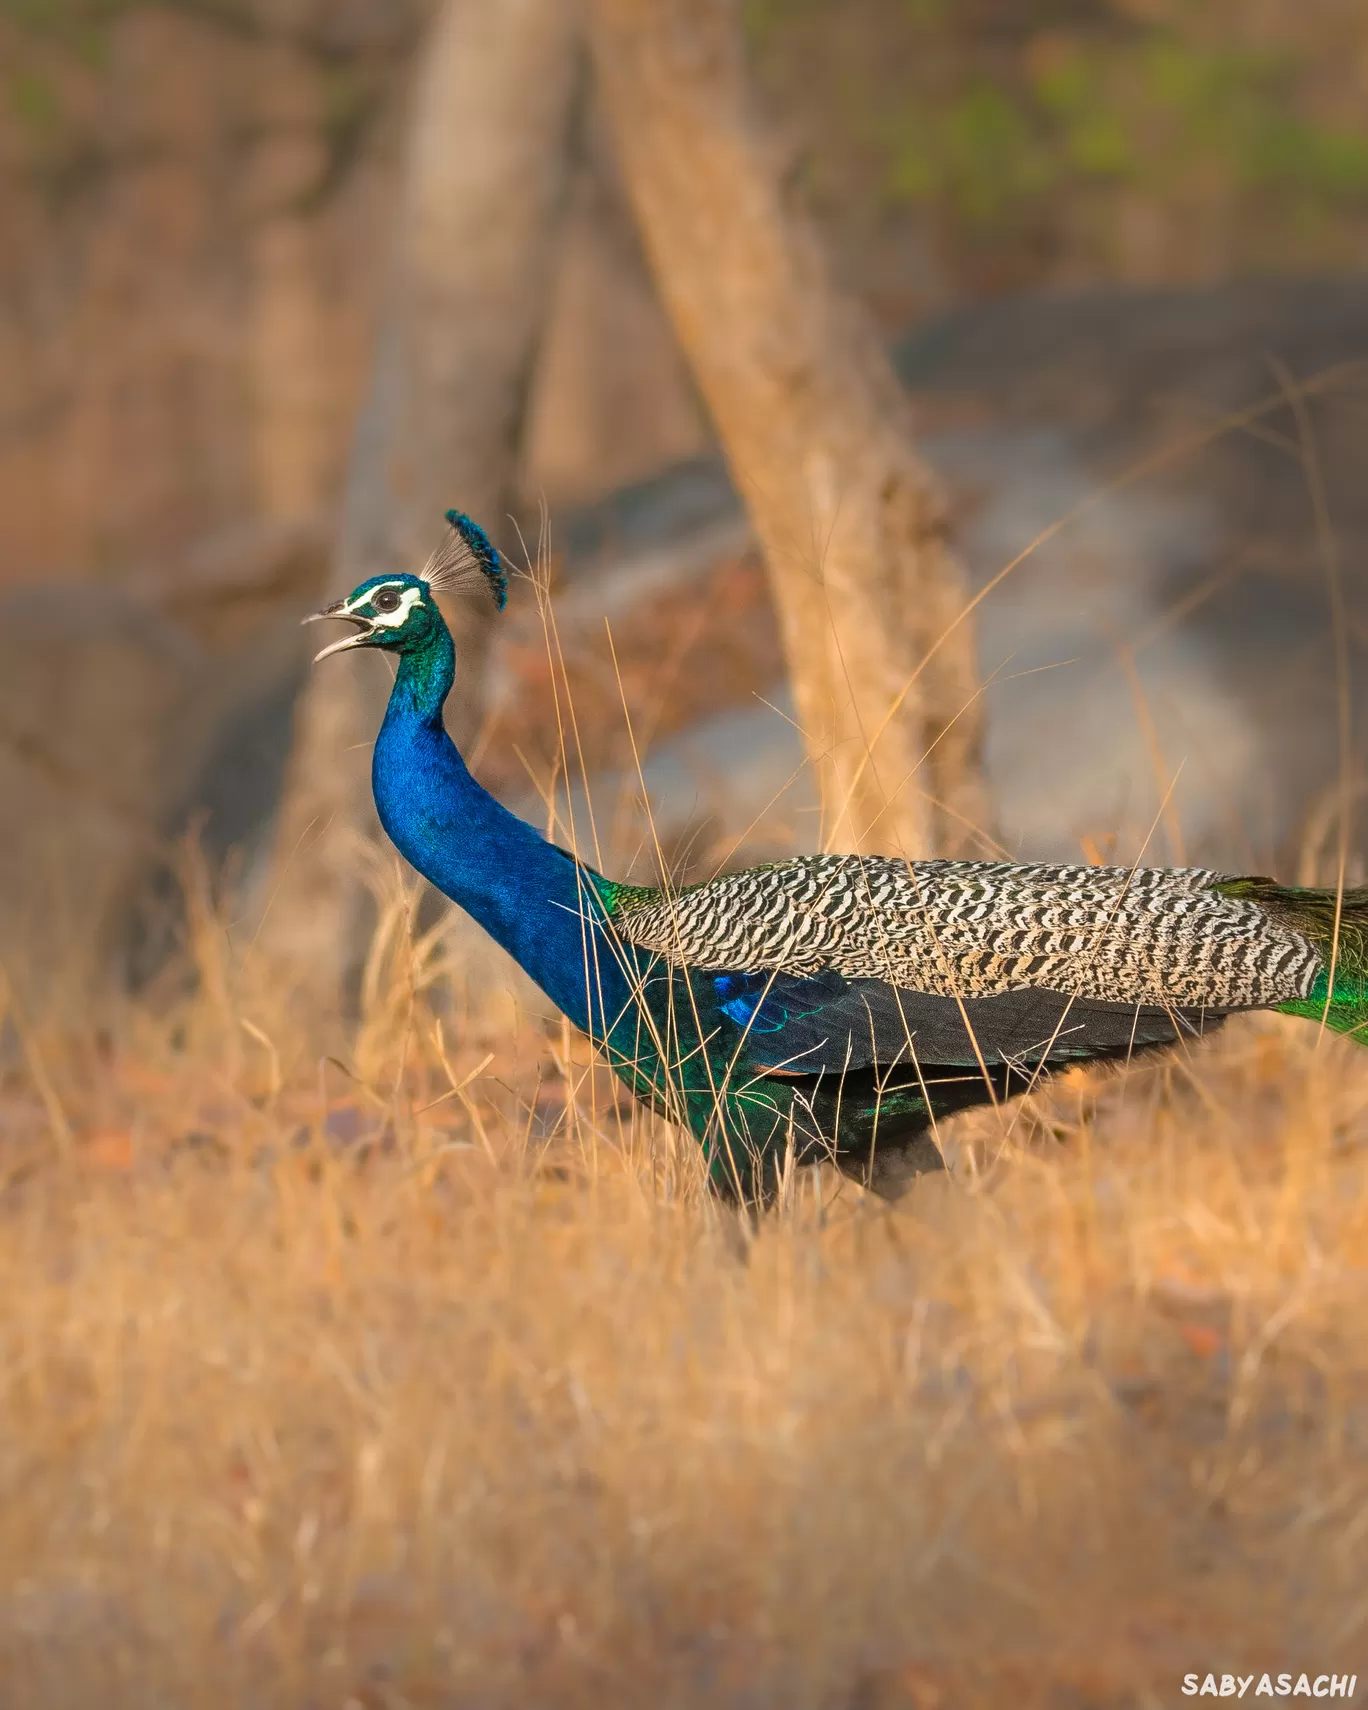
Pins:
x: 399, y: 613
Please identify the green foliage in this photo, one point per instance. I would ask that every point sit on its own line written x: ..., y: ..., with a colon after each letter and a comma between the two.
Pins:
x: 979, y: 153
x: 762, y: 19
x: 51, y: 38
x: 75, y: 24
x: 46, y: 15
x: 33, y: 102
x: 56, y: 41
x: 1148, y: 113
x: 997, y: 115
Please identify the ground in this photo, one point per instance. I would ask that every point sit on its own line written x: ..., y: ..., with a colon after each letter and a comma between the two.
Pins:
x: 433, y: 1377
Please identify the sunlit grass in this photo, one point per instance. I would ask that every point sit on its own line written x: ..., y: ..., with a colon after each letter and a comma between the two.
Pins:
x: 434, y: 1377
x: 427, y: 1372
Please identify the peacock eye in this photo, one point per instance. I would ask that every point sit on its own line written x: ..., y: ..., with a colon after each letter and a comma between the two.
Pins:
x: 387, y: 600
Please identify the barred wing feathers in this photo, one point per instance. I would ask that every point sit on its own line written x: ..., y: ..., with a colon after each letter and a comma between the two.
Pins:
x: 840, y: 961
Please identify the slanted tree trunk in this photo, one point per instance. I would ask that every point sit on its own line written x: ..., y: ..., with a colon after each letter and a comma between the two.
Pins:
x: 482, y: 187
x: 816, y: 431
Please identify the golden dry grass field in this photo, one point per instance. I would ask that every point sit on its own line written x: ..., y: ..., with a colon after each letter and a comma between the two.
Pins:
x: 434, y: 1378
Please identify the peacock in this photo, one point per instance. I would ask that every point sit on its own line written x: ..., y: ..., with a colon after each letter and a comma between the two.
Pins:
x: 831, y: 1005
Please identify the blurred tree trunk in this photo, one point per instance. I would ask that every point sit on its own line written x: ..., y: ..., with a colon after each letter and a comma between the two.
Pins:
x: 293, y: 430
x: 815, y: 428
x: 482, y: 187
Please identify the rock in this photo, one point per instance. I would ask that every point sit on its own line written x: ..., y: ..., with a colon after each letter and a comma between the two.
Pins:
x: 120, y: 725
x: 1161, y: 676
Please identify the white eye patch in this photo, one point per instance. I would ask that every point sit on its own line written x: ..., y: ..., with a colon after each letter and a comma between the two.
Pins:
x: 409, y: 597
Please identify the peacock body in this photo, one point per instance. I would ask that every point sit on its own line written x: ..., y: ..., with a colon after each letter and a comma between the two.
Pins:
x: 833, y: 1003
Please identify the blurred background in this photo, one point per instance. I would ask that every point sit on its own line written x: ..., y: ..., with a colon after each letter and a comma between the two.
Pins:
x: 1116, y: 249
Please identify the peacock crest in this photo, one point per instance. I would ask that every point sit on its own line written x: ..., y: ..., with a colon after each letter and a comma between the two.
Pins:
x: 466, y: 559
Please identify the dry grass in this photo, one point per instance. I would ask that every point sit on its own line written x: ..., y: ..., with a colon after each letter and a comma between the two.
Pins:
x: 317, y: 1392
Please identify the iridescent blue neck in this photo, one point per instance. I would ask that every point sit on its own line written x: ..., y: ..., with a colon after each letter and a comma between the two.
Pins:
x: 531, y: 897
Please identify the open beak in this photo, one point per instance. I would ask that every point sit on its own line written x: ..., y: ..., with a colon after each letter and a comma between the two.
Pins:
x: 365, y: 629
